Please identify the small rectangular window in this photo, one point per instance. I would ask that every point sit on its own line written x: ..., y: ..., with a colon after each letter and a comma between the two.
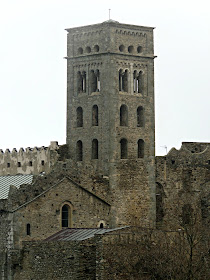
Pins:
x: 42, y: 162
x: 30, y: 163
x: 8, y: 165
x: 19, y: 164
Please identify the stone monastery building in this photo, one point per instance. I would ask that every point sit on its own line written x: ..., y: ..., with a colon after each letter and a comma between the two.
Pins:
x: 60, y: 205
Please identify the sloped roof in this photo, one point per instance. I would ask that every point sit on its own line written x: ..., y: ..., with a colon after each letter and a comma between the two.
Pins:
x: 14, y: 180
x: 78, y: 234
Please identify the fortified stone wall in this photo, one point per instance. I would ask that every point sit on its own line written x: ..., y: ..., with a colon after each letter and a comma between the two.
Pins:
x: 182, y: 182
x: 29, y: 161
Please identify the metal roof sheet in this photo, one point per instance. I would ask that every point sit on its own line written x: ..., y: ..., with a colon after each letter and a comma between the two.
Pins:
x: 14, y: 180
x: 78, y: 234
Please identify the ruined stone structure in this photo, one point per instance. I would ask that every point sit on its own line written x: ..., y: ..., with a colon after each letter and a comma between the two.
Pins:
x: 106, y: 176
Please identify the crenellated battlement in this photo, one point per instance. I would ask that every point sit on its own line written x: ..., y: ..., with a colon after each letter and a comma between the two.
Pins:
x: 29, y: 160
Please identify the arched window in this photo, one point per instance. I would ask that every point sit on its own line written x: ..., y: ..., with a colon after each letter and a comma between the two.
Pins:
x: 140, y: 116
x: 101, y: 225
x: 140, y: 148
x: 159, y: 202
x: 66, y: 216
x: 123, y: 148
x: 123, y: 115
x: 95, y: 115
x: 79, y: 152
x: 95, y: 149
x: 79, y: 117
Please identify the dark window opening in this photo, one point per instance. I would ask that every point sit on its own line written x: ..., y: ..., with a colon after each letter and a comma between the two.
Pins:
x: 123, y: 115
x: 30, y: 163
x: 95, y: 149
x: 28, y: 229
x: 65, y: 216
x: 79, y: 117
x: 95, y: 115
x: 123, y: 148
x: 121, y: 48
x: 42, y: 162
x: 123, y: 80
x: 172, y: 161
x: 88, y: 49
x: 141, y: 148
x: 139, y: 49
x: 101, y: 225
x: 8, y: 164
x: 19, y: 164
x: 96, y: 48
x: 140, y: 116
x: 80, y: 51
x: 130, y: 49
x: 79, y: 152
x: 81, y: 81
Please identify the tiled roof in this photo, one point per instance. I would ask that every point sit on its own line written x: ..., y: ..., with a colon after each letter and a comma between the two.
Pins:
x: 78, y: 234
x: 14, y: 180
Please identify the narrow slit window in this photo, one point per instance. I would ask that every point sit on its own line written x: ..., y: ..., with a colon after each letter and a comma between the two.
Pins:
x: 28, y: 229
x: 19, y: 164
x: 141, y: 148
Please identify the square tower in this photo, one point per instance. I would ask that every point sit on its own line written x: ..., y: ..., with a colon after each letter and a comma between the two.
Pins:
x: 110, y: 109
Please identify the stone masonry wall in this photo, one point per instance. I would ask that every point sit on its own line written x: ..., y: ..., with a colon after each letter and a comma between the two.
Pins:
x: 43, y: 213
x: 56, y: 260
x: 183, y: 178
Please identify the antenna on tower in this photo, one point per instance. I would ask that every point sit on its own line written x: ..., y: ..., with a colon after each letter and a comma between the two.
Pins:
x: 109, y: 13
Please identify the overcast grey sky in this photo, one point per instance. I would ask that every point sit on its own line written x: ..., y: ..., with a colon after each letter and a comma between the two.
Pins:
x: 33, y: 71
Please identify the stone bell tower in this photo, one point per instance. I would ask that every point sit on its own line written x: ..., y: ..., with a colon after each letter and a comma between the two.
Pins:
x: 110, y: 113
